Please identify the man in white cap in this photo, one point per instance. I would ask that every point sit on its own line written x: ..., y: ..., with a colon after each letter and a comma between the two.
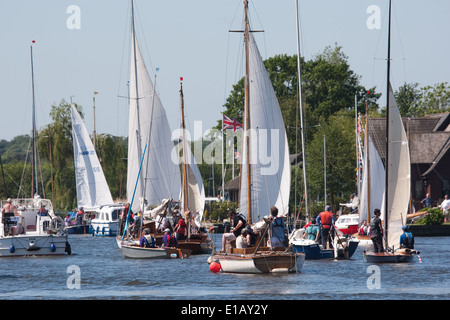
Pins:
x: 169, y: 240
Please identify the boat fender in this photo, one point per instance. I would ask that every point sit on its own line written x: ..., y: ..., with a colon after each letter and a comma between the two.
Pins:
x: 215, y: 267
x: 33, y: 247
x: 68, y: 248
x: 12, y: 249
x: 52, y: 247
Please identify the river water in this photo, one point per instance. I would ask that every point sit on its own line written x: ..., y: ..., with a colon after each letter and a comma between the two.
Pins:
x: 96, y: 270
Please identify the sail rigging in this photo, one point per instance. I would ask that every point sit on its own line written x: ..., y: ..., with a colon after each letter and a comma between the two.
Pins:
x: 148, y: 123
x: 265, y: 172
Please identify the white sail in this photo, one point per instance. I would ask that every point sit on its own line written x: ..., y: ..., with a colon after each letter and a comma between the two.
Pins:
x: 92, y: 188
x: 376, y: 178
x: 147, y: 114
x: 399, y: 179
x: 195, y: 188
x: 269, y: 151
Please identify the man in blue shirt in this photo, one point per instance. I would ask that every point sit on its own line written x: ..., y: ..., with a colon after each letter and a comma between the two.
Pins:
x: 427, y: 201
x: 406, y: 239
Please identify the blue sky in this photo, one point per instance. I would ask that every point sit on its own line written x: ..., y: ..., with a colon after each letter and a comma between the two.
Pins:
x: 191, y: 39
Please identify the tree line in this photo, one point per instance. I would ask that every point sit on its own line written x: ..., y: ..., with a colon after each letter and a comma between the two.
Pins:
x: 329, y: 89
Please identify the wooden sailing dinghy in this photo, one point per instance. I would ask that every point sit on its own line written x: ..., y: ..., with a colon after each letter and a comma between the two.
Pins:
x: 261, y: 186
x: 398, y: 180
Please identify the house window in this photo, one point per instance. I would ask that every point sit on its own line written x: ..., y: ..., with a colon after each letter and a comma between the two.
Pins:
x: 418, y: 189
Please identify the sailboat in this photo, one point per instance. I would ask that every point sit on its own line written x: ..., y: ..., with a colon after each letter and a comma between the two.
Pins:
x: 261, y: 185
x: 398, y: 180
x: 373, y: 184
x: 193, y: 196
x: 148, y: 125
x: 92, y: 189
x: 29, y: 226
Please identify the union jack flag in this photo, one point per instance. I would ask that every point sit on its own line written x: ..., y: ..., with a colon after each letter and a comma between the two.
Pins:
x: 230, y: 123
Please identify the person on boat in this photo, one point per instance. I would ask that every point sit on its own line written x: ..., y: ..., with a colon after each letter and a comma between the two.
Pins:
x: 80, y: 215
x: 137, y: 222
x: 406, y: 239
x: 162, y: 222
x: 147, y: 240
x: 9, y: 208
x: 325, y: 220
x: 169, y: 240
x: 312, y: 231
x: 362, y: 231
x: 244, y: 240
x: 427, y: 201
x: 124, y: 216
x: 376, y: 232
x: 42, y: 211
x: 239, y: 222
x: 279, y: 232
x: 353, y: 204
x: 177, y: 215
x: 445, y: 206
x: 180, y: 228
x: 67, y: 220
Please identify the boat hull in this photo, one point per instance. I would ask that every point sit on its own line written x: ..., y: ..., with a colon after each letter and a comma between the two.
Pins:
x: 265, y: 262
x: 313, y: 251
x: 78, y: 229
x: 197, y: 244
x: 136, y: 252
x: 104, y: 229
x: 388, y: 257
x: 30, y: 245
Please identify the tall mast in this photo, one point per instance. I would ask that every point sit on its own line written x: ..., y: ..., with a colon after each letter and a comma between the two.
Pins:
x: 247, y: 111
x: 184, y: 162
x: 302, y: 129
x: 184, y: 145
x: 34, y: 179
x: 138, y: 133
x: 367, y: 155
x: 387, y: 124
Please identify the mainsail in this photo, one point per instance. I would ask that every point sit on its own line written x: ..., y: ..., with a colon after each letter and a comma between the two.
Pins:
x: 195, y: 188
x: 92, y: 188
x: 268, y: 146
x: 372, y: 190
x: 399, y: 179
x: 160, y: 178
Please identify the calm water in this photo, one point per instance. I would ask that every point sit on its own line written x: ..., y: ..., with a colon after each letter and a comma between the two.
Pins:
x: 106, y: 275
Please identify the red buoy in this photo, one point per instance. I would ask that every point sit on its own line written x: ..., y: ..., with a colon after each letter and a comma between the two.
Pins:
x: 214, y: 267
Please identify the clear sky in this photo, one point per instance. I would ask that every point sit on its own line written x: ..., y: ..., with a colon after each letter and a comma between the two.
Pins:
x: 86, y: 49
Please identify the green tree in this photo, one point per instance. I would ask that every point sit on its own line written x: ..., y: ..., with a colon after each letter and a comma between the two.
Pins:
x: 340, y: 158
x: 55, y: 145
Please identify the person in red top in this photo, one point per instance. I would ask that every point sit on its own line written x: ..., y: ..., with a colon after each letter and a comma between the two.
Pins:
x: 80, y: 215
x: 325, y: 220
x: 180, y: 229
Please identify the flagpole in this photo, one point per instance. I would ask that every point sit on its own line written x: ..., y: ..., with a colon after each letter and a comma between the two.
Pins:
x: 223, y: 162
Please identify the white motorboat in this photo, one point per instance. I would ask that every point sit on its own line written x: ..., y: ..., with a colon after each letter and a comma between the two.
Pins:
x: 106, y: 222
x: 30, y: 233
